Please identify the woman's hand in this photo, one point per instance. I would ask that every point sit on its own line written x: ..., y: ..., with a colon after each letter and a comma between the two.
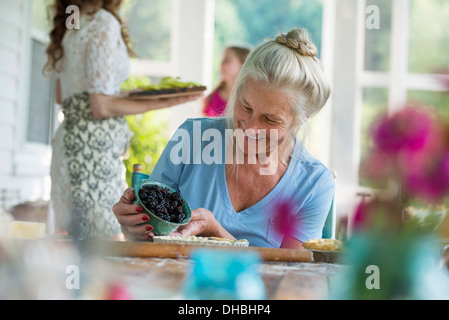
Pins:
x: 203, y: 223
x: 131, y: 217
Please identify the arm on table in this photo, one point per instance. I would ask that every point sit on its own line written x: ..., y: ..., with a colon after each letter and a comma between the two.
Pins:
x: 291, y: 243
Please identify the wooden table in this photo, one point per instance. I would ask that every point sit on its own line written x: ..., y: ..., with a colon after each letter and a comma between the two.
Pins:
x: 62, y: 269
x: 163, y: 278
x: 150, y: 277
x: 47, y: 269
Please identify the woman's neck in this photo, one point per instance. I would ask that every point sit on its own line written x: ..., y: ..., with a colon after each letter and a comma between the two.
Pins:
x: 271, y: 163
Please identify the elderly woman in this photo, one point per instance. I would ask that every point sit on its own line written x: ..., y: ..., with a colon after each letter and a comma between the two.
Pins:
x: 280, y: 86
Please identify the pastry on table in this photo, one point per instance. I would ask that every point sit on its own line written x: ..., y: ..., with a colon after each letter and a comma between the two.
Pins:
x: 201, y: 240
x: 323, y: 244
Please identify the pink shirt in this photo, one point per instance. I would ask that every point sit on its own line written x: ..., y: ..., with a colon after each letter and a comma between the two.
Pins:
x: 216, y: 106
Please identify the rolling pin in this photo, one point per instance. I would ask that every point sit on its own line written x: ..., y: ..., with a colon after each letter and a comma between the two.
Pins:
x: 182, y: 251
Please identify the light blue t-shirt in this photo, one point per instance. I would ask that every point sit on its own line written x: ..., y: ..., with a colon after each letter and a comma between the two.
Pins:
x: 193, y: 163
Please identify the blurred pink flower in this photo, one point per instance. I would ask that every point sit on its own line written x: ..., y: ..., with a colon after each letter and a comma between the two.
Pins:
x: 284, y: 217
x: 411, y: 146
x: 429, y: 181
x: 408, y: 129
x: 425, y: 174
x: 118, y: 292
x: 359, y: 217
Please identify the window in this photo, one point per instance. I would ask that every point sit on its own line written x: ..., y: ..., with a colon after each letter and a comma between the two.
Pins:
x: 375, y: 101
x: 151, y: 27
x: 401, y: 62
x: 40, y: 102
x: 404, y: 60
x: 254, y: 21
x: 378, y: 41
x: 375, y: 76
x: 37, y: 110
x: 40, y: 112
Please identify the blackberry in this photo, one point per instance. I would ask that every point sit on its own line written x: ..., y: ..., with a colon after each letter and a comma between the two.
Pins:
x: 165, y: 191
x: 160, y: 209
x: 176, y: 196
x: 152, y: 193
x: 163, y: 203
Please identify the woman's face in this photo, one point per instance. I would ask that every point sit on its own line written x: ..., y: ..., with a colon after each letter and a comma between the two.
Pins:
x: 230, y: 66
x: 265, y: 116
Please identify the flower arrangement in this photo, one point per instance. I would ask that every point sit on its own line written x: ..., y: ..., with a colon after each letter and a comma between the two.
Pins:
x: 411, y: 151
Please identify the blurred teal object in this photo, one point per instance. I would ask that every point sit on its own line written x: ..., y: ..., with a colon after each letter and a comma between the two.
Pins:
x: 136, y: 177
x: 224, y: 275
x: 392, y: 267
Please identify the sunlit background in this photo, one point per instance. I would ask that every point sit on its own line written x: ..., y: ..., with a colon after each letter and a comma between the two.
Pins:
x: 403, y: 62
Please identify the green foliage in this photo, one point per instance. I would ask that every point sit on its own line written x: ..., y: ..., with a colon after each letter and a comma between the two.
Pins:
x: 150, y: 133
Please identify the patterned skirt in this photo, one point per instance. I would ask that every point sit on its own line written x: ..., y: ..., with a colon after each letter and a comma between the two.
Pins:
x: 87, y: 171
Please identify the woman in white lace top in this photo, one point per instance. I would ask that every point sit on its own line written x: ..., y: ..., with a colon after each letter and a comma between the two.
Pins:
x: 90, y: 64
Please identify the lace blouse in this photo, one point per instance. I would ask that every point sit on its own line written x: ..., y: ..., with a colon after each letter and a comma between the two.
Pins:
x: 87, y: 172
x: 95, y: 57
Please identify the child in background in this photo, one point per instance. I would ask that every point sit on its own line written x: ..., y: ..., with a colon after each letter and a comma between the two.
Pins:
x: 233, y: 59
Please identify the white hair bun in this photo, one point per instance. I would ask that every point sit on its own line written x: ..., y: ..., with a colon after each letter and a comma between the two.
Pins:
x: 298, y: 39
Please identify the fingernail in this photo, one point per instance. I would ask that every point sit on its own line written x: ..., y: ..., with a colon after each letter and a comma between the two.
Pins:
x: 145, y: 218
x: 148, y: 228
x: 150, y: 235
x: 139, y: 209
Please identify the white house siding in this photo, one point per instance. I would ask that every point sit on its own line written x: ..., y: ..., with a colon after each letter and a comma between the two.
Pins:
x: 21, y: 167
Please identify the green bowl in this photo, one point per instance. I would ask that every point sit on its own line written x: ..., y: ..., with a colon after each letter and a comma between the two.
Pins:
x: 161, y: 227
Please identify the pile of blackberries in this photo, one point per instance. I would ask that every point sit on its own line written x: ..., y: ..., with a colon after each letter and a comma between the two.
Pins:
x: 167, y: 205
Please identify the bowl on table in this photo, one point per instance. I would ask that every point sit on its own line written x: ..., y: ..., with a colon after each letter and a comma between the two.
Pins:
x: 160, y: 226
x: 325, y: 250
x: 327, y: 256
